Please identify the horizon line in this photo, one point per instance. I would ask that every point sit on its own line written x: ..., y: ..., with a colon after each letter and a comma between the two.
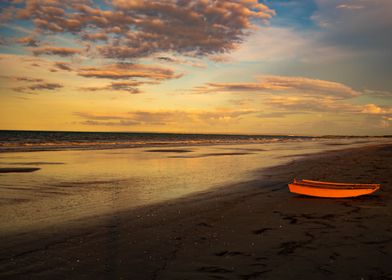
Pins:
x: 202, y: 133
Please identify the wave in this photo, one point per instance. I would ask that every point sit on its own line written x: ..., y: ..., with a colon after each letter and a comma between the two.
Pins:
x: 23, y: 141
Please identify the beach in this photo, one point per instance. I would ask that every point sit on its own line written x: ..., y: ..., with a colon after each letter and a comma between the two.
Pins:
x: 251, y: 230
x: 192, y: 140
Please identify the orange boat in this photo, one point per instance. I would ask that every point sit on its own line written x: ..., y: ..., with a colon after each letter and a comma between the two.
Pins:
x: 330, y: 189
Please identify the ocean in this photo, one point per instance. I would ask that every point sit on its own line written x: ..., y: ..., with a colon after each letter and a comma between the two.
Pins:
x: 14, y: 140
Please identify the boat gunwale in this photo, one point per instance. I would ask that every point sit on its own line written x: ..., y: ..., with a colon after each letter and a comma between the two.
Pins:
x: 334, y: 184
x: 346, y: 187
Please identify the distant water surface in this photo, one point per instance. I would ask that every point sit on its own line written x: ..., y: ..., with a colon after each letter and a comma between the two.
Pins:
x: 11, y: 141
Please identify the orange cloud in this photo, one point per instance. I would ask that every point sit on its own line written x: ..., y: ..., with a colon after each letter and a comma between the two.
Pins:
x: 28, y: 41
x: 95, y: 36
x: 128, y: 71
x: 305, y: 86
x: 163, y: 117
x: 374, y: 109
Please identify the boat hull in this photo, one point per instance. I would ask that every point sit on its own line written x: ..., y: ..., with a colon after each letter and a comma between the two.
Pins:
x: 330, y: 192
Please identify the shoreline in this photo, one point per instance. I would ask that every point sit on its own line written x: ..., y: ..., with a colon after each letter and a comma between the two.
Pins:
x: 162, y: 145
x: 251, y: 230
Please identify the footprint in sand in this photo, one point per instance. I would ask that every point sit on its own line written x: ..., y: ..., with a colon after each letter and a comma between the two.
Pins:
x: 214, y: 269
x: 231, y: 254
x: 261, y: 231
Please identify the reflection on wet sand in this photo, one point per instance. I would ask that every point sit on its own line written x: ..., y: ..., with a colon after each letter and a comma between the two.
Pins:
x: 71, y: 185
x: 244, y: 149
x: 213, y: 155
x: 169, y: 151
x: 32, y: 163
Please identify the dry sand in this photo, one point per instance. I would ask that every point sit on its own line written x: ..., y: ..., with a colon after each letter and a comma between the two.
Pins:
x: 252, y: 230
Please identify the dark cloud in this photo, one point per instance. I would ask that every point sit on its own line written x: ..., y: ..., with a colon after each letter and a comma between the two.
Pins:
x: 4, y: 41
x: 127, y: 86
x: 38, y: 87
x: 45, y: 86
x: 176, y: 60
x: 23, y: 79
x: 28, y: 41
x: 63, y: 66
x: 60, y: 51
x: 165, y: 58
x: 30, y: 85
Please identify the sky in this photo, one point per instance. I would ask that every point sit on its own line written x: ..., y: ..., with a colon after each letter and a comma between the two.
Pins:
x: 301, y: 67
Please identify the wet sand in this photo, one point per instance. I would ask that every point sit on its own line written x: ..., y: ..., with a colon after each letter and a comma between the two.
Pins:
x: 251, y: 230
x: 169, y: 151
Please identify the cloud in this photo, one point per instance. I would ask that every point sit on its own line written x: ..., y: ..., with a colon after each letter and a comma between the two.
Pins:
x: 279, y: 114
x: 120, y: 77
x: 128, y: 71
x: 110, y: 123
x: 28, y: 41
x: 3, y: 41
x: 176, y: 60
x: 22, y: 79
x: 357, y: 24
x: 289, y: 105
x: 6, y: 13
x: 305, y: 86
x: 66, y: 66
x: 272, y: 43
x: 46, y: 86
x: 95, y: 37
x: 127, y: 86
x: 163, y: 117
x: 60, y: 51
x: 30, y: 85
x: 382, y: 114
x: 374, y: 109
x: 38, y: 87
x: 350, y: 7
x: 303, y: 104
x: 134, y: 29
x: 281, y: 108
x: 378, y: 94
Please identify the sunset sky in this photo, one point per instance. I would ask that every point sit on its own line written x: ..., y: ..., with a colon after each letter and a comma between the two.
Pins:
x: 305, y: 67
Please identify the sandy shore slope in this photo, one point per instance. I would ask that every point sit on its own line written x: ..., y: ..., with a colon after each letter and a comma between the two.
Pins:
x: 253, y: 230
